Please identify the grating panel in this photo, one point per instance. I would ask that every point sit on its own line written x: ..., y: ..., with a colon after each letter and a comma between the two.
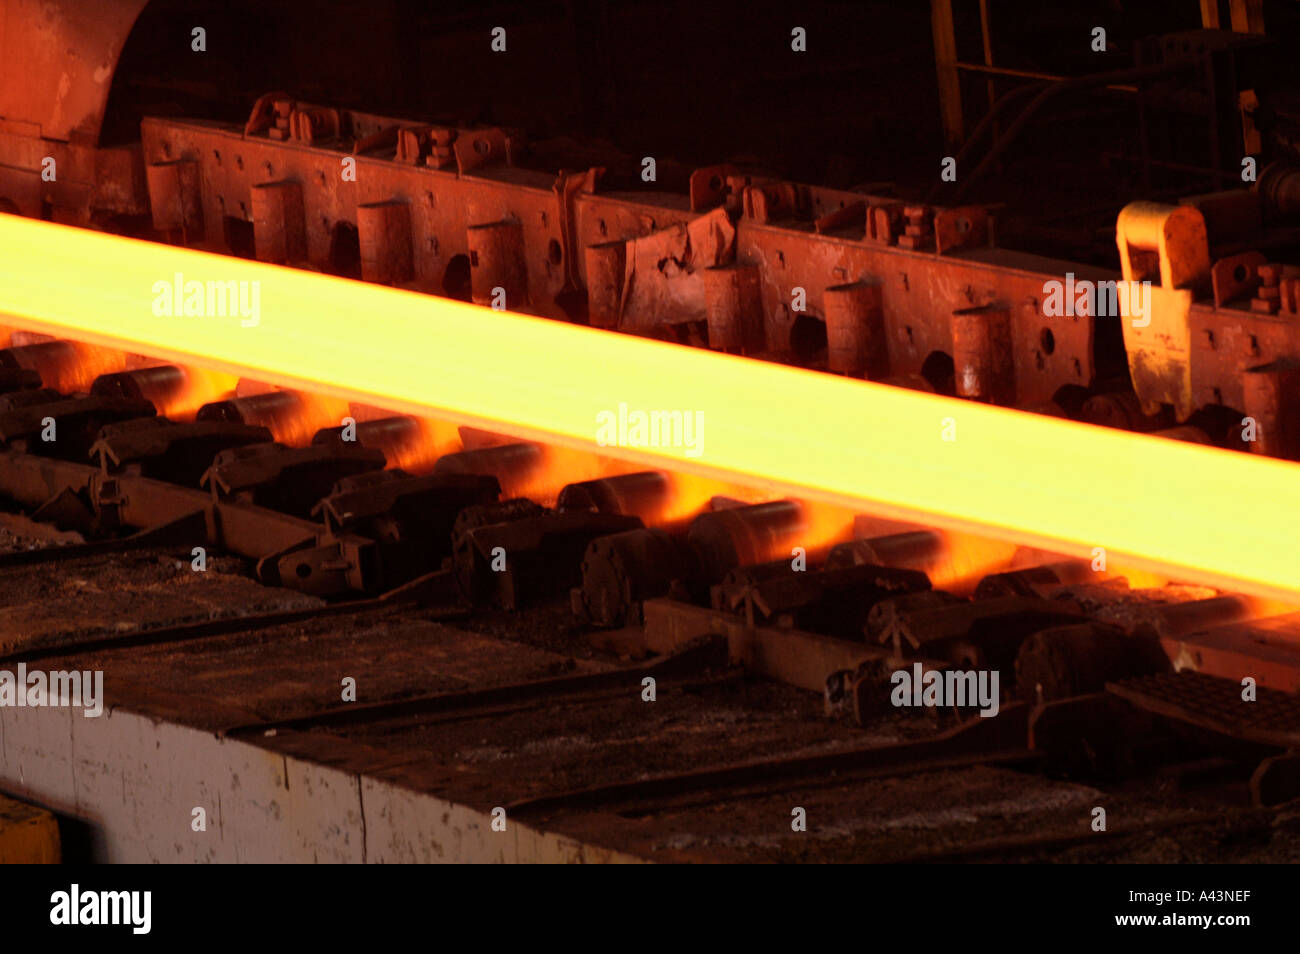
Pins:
x: 1213, y: 703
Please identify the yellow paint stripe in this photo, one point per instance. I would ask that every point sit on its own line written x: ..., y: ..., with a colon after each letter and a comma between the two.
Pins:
x: 1198, y: 513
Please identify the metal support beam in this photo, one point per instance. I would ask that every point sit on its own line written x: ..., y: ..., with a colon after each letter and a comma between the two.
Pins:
x: 945, y: 61
x: 1210, y: 14
x: 1247, y: 16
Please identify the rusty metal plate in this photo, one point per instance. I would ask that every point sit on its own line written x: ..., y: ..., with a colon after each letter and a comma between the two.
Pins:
x: 441, y: 205
x: 57, y: 59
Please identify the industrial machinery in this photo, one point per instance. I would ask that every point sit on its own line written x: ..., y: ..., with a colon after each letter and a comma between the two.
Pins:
x: 933, y: 459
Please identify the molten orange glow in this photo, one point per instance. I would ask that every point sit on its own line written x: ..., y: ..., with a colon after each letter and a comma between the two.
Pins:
x: 314, y: 411
x: 1262, y: 606
x: 691, y: 494
x: 824, y: 525
x: 18, y: 337
x: 293, y: 418
x: 953, y: 560
x: 563, y: 465
x: 965, y: 560
x: 1138, y: 579
x: 197, y: 388
x: 247, y: 387
x: 434, y: 438
x: 68, y: 366
x: 1194, y: 512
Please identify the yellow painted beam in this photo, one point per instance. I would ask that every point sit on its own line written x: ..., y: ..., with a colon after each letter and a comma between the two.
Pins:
x: 1194, y: 512
x: 28, y: 835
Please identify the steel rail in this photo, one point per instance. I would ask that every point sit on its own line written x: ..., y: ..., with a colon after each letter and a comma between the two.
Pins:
x: 1192, y: 512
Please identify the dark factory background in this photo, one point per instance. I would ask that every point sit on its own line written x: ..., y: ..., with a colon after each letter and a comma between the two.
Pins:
x: 693, y: 84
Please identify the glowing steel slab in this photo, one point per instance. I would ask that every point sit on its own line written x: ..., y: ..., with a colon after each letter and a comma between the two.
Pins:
x: 1194, y: 512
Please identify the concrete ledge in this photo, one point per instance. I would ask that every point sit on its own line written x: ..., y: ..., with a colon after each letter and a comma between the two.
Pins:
x: 137, y: 781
